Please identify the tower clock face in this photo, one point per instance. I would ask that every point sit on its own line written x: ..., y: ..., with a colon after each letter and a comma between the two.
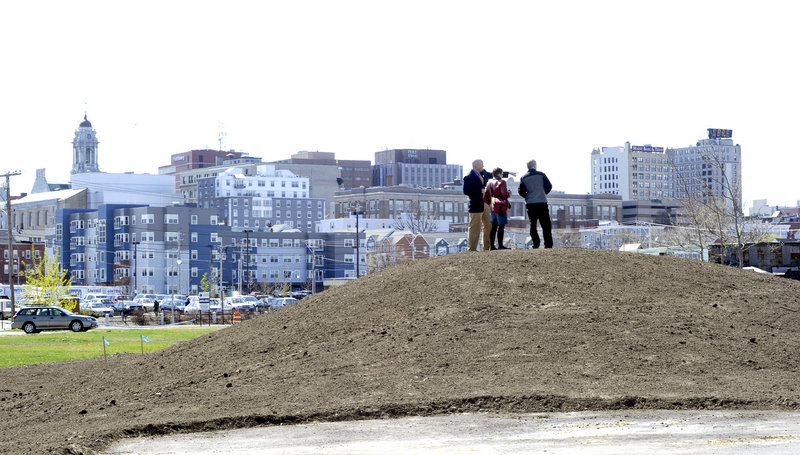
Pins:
x: 88, y: 136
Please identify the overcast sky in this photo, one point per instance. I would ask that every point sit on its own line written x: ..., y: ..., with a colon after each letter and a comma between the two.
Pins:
x: 502, y: 81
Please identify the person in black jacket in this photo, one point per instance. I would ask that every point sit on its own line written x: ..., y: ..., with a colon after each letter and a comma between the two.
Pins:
x: 479, y: 213
x: 534, y: 187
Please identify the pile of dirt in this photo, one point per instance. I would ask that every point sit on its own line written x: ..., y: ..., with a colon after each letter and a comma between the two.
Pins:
x: 509, y: 331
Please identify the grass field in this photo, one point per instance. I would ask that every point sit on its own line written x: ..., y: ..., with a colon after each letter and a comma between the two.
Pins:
x: 59, y: 346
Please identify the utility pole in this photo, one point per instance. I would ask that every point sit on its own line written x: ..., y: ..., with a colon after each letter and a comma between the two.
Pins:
x: 221, y: 294
x: 247, y: 260
x: 313, y: 270
x: 135, y: 244
x: 210, y: 264
x: 9, y: 219
x: 358, y: 253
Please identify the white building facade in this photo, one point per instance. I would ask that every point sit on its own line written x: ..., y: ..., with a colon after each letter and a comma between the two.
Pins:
x: 267, y: 198
x: 635, y: 172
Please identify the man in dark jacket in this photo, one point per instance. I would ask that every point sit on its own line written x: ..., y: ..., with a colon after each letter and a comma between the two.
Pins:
x: 479, y: 213
x: 534, y: 187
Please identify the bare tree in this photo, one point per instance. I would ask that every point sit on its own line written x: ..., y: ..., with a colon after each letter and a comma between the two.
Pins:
x: 711, y: 197
x: 416, y: 220
x: 567, y: 238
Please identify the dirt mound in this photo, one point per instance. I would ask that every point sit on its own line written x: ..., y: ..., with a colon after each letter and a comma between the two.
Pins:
x: 517, y: 330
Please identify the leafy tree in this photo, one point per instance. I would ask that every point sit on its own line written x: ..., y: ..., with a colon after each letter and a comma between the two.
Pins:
x: 47, y: 283
x: 204, y: 283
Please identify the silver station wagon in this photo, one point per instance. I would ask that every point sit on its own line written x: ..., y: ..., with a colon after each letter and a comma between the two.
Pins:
x: 34, y: 319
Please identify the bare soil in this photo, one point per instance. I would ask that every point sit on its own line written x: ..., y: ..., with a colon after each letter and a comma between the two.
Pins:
x: 501, y: 331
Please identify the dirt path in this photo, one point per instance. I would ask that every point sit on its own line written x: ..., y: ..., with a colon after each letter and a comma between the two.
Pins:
x: 587, y: 433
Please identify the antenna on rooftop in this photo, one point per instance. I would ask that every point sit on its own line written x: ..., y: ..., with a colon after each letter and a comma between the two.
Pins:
x: 222, y: 134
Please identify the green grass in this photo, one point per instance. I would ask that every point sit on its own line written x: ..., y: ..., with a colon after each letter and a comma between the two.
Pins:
x: 59, y: 346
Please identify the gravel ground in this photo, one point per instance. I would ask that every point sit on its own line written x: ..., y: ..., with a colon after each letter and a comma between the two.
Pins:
x: 505, y: 331
x: 587, y: 433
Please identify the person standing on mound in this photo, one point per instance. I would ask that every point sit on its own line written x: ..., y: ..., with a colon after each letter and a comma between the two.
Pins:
x: 496, y: 196
x: 534, y: 187
x: 474, y: 184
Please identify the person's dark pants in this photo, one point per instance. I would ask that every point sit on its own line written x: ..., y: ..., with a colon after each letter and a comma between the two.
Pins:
x: 541, y: 213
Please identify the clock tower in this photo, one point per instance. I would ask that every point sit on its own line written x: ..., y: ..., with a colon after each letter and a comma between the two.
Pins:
x: 84, y: 148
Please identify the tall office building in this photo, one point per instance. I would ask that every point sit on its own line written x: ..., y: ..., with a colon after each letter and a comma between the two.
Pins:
x: 710, y: 169
x: 414, y: 168
x: 635, y: 172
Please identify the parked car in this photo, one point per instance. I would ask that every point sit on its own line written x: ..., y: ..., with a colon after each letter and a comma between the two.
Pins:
x: 34, y: 319
x: 93, y: 297
x: 213, y: 306
x: 178, y: 301
x: 299, y: 295
x: 98, y: 309
x: 192, y: 308
x: 5, y: 307
x: 251, y: 300
x: 128, y: 307
x: 139, y: 297
x: 281, y: 302
x: 216, y: 305
x: 146, y: 303
x: 239, y: 304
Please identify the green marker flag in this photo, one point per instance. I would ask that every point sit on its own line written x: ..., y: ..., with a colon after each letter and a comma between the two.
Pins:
x: 142, y: 340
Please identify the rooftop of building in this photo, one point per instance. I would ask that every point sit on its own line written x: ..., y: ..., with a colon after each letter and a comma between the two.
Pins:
x: 48, y: 196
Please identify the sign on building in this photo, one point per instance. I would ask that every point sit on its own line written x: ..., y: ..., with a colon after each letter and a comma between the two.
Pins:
x: 716, y: 133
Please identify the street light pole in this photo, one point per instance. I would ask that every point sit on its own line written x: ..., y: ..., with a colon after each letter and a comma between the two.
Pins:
x: 178, y: 288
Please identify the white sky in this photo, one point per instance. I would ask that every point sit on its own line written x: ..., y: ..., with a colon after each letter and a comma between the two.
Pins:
x: 505, y: 81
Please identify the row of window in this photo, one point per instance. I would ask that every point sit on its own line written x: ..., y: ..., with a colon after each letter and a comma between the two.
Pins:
x: 404, y: 204
x: 147, y: 218
x: 653, y: 194
x: 263, y: 183
x: 278, y: 213
x: 25, y: 253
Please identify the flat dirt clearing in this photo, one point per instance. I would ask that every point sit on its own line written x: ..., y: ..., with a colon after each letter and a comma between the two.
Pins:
x: 504, y: 331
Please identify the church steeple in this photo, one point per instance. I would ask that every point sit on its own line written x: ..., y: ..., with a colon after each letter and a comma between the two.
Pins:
x: 84, y: 148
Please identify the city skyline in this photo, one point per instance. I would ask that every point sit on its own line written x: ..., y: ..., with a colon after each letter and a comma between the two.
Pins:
x: 515, y: 81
